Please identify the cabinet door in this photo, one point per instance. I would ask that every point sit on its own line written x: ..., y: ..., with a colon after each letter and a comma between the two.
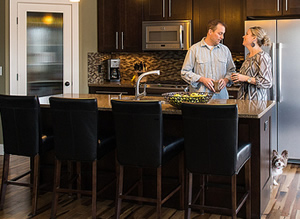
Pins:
x: 232, y: 13
x: 131, y: 30
x: 229, y: 11
x: 154, y: 10
x: 179, y: 10
x: 291, y: 7
x: 108, y: 25
x: 202, y: 13
x: 264, y: 7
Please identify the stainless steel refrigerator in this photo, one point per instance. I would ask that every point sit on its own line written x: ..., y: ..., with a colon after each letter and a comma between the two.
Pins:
x: 285, y: 54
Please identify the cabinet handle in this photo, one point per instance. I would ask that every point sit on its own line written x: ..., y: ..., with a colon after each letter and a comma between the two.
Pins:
x: 170, y: 8
x: 117, y: 40
x: 122, y: 40
x: 278, y: 5
x: 164, y: 8
x: 286, y: 5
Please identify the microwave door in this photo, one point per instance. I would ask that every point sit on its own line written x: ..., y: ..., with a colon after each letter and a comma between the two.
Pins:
x: 164, y: 34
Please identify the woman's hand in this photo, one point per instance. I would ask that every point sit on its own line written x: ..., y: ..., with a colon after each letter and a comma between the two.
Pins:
x: 236, y: 77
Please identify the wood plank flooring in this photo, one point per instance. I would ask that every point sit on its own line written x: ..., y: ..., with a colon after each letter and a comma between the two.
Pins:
x: 284, y: 202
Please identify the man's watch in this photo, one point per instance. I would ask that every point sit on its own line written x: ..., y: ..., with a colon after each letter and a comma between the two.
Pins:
x: 249, y: 80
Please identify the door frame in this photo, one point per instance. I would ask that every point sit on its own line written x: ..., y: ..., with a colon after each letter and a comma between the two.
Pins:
x: 14, y: 39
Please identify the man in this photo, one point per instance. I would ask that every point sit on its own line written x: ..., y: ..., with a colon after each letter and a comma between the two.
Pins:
x: 208, y: 61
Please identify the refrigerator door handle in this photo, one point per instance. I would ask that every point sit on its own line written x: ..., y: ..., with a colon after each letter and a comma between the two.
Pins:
x: 279, y: 99
x: 274, y: 91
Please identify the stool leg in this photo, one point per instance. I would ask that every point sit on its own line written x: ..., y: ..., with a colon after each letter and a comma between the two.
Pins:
x: 4, y: 179
x: 78, y: 169
x: 119, y: 191
x: 181, y: 179
x: 248, y: 188
x: 233, y: 196
x: 202, y: 198
x: 140, y: 185
x: 158, y: 198
x: 94, y: 190
x: 35, y: 183
x: 189, y: 195
x: 70, y: 173
x: 55, y: 187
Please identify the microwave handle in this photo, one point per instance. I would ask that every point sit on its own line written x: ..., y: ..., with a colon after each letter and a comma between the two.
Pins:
x: 122, y: 37
x: 164, y: 8
x: 170, y: 8
x: 117, y: 40
x: 181, y: 37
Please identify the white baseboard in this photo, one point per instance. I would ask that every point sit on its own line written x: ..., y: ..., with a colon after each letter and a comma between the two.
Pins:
x: 1, y: 149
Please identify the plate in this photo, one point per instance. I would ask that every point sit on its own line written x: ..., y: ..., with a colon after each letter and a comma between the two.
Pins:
x: 177, y: 98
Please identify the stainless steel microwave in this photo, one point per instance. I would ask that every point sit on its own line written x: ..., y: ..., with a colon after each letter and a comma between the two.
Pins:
x: 167, y: 35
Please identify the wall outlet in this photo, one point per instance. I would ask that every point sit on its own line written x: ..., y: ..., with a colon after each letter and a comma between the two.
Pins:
x: 0, y: 70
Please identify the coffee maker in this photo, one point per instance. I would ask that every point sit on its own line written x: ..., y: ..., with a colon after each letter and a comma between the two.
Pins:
x: 113, y: 73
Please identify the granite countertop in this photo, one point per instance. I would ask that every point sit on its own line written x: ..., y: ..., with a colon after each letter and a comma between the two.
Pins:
x: 128, y: 84
x: 246, y: 109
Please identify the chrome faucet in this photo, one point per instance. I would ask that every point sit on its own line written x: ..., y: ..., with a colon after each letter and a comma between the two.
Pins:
x: 137, y: 88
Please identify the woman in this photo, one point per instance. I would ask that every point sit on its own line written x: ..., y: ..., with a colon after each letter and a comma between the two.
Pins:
x: 255, y: 74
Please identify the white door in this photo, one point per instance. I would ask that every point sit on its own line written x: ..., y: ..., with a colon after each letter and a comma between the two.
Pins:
x: 46, y: 49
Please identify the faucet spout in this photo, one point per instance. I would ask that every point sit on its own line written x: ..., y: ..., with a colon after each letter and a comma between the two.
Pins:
x: 137, y: 87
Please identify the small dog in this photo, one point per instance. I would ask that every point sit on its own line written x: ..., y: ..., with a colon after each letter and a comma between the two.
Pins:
x: 278, y: 163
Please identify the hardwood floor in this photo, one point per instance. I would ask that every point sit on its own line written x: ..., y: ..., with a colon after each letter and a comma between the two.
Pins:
x: 284, y: 203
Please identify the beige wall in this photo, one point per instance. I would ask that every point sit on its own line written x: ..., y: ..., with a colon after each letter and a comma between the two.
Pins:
x: 2, y: 46
x: 87, y: 43
x: 87, y: 38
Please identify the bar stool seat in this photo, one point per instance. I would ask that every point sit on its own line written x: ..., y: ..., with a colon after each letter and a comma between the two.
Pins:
x: 75, y: 126
x: 142, y: 144
x: 22, y: 136
x: 212, y: 148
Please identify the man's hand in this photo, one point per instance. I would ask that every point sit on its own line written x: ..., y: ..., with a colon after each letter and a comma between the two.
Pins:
x: 208, y: 82
x: 223, y: 83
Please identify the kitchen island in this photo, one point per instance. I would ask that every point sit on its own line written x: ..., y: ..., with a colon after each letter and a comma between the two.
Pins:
x: 254, y: 126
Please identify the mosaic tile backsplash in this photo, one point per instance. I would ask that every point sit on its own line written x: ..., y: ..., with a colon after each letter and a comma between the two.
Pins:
x: 168, y: 62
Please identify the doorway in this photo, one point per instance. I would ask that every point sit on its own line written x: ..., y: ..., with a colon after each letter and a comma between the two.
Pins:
x: 44, y: 47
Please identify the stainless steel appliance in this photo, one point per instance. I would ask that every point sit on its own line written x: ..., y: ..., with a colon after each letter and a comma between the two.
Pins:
x: 285, y: 53
x: 113, y: 73
x: 167, y: 35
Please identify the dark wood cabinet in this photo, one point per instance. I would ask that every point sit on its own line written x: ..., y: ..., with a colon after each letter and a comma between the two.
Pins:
x: 119, y: 25
x: 265, y: 8
x: 229, y: 11
x: 155, y: 10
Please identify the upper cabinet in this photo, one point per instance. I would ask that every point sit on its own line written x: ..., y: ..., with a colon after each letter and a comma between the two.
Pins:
x: 231, y: 12
x: 156, y: 10
x: 119, y: 25
x: 264, y: 8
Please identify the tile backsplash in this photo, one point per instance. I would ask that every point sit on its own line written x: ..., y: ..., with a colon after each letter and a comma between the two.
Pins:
x: 168, y: 62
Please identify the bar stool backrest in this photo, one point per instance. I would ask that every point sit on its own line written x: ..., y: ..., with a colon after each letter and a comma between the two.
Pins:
x: 139, y: 132
x: 75, y: 128
x: 210, y: 138
x: 21, y: 127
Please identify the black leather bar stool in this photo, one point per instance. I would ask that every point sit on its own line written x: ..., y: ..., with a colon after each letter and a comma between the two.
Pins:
x: 75, y: 125
x: 22, y: 135
x: 141, y: 144
x: 212, y: 148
